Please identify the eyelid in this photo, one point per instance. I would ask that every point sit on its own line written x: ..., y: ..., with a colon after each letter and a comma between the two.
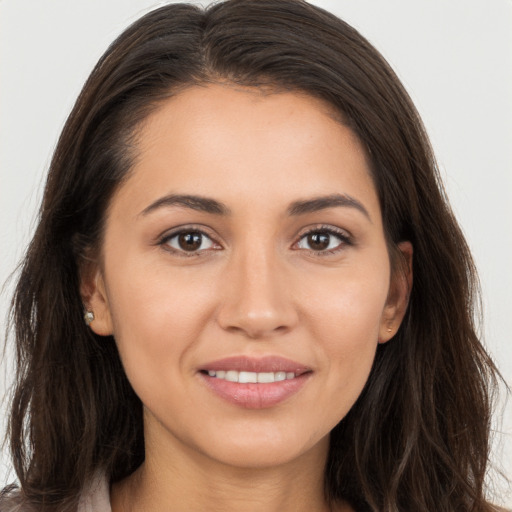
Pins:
x: 324, y: 227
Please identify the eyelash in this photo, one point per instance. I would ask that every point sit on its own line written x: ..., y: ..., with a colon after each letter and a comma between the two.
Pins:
x: 344, y: 237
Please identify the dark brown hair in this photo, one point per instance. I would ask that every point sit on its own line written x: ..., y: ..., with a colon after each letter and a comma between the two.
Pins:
x: 417, y: 438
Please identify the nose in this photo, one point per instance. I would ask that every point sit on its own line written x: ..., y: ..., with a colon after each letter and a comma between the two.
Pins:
x: 256, y: 296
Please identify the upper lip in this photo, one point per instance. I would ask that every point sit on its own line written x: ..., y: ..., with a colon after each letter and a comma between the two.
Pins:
x: 256, y: 364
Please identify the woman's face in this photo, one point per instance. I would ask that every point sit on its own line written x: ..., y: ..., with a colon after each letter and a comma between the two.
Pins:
x: 246, y: 244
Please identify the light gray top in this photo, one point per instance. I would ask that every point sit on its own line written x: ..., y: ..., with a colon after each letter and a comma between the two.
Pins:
x: 96, y: 497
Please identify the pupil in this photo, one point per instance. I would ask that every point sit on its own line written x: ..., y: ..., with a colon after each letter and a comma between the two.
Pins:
x: 189, y: 241
x: 318, y: 241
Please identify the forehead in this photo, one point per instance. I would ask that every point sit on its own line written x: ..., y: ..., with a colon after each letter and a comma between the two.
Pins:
x: 235, y: 143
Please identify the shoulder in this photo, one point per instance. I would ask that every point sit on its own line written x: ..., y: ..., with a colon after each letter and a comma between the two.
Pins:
x: 94, y: 498
x: 11, y: 500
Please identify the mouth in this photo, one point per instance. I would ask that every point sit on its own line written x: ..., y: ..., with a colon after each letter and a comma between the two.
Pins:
x: 255, y: 383
x: 251, y: 377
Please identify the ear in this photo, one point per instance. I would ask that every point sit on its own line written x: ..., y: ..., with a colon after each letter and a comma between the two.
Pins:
x: 398, y: 296
x: 95, y: 299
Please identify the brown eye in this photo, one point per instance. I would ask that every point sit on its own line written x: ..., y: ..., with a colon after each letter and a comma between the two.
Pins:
x: 318, y: 241
x: 323, y: 241
x: 189, y: 241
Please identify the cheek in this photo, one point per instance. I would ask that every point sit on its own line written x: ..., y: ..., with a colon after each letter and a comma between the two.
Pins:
x: 157, y: 316
x: 344, y: 316
x: 348, y: 305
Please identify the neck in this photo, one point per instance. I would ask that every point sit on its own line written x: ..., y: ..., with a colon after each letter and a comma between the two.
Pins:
x: 186, y: 480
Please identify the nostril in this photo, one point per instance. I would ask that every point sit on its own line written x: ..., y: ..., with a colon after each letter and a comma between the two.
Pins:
x: 253, y: 332
x: 257, y: 311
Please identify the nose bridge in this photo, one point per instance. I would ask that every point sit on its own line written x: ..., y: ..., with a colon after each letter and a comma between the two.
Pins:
x: 256, y: 300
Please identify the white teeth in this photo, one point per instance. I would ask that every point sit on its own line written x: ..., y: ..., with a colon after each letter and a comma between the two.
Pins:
x: 251, y: 377
x: 245, y: 377
x: 265, y: 377
x: 231, y: 376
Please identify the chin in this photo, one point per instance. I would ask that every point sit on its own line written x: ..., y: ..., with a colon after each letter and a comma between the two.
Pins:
x: 267, y: 450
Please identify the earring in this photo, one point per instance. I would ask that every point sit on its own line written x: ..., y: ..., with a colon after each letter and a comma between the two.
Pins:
x: 88, y: 317
x: 389, y: 329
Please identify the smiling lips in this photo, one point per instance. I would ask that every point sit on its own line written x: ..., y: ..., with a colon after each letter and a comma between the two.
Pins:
x: 255, y: 383
x: 251, y: 377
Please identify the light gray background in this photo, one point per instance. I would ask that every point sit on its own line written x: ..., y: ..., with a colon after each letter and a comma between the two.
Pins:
x: 454, y: 57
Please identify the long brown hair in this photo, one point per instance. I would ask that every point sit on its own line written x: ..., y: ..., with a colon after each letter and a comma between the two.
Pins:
x: 417, y: 438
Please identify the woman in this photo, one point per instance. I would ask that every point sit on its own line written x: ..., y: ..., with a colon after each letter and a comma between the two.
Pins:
x: 246, y: 287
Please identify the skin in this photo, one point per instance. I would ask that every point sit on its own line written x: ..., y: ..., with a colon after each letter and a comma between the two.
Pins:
x: 255, y: 287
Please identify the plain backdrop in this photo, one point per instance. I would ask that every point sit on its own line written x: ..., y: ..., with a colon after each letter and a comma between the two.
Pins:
x: 454, y: 57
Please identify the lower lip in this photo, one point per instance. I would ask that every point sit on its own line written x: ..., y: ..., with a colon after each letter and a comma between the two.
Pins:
x: 256, y: 396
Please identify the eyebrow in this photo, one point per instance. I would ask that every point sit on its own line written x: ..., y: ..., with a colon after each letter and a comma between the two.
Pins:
x: 323, y: 202
x: 301, y: 207
x: 199, y: 203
